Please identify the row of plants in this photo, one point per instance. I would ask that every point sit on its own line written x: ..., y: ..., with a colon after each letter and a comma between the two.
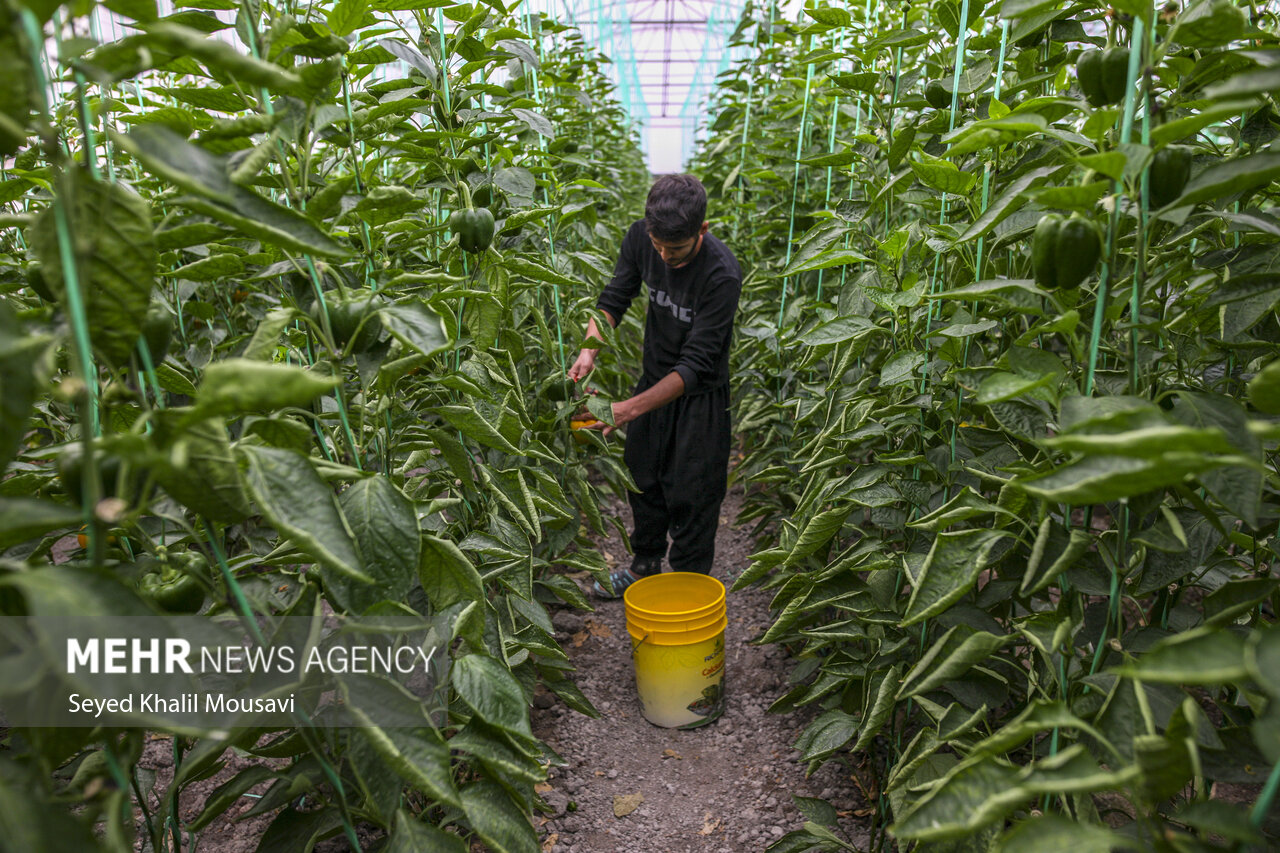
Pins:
x: 1007, y: 386
x: 285, y: 299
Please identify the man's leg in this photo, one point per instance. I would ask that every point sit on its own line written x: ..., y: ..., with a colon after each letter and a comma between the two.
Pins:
x: 644, y: 453
x: 696, y: 477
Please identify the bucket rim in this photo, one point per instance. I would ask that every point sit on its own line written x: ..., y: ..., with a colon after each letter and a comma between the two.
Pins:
x: 649, y: 579
x: 679, y: 638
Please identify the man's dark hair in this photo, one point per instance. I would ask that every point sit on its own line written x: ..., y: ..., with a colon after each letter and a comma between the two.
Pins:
x: 676, y: 207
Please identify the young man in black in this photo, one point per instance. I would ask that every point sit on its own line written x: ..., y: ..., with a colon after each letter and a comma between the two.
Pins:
x: 678, y: 419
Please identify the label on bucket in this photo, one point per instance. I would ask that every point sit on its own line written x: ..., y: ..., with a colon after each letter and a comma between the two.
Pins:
x: 681, y: 686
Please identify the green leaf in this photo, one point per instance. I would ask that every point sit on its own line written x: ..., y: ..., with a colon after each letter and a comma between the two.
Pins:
x: 959, y: 650
x: 903, y: 367
x: 496, y: 819
x: 18, y: 389
x: 826, y: 734
x: 1148, y: 443
x: 473, y: 425
x: 537, y: 122
x: 1212, y: 113
x: 266, y: 337
x: 528, y: 268
x: 1202, y: 656
x: 518, y: 220
x: 1080, y: 197
x: 25, y: 518
x: 491, y: 691
x: 236, y: 386
x: 817, y: 532
x: 269, y: 222
x: 226, y: 795
x: 967, y: 799
x: 302, y: 507
x: 386, y: 532
x: 174, y: 160
x: 831, y: 17
x: 826, y: 260
x: 1006, y: 204
x: 186, y: 42
x: 881, y: 709
x: 1099, y: 479
x: 199, y: 470
x: 1039, y: 716
x: 211, y: 268
x: 345, y: 16
x: 1231, y: 177
x: 115, y: 257
x: 1001, y: 386
x: 1207, y: 23
x: 1053, y: 833
x: 943, y: 175
x: 902, y: 142
x: 447, y: 575
x: 418, y: 756
x: 1109, y: 163
x: 964, y: 506
x: 411, y: 835
x: 839, y: 158
x: 992, y: 132
x: 950, y: 570
x: 415, y: 325
x: 838, y: 330
x: 1264, y: 389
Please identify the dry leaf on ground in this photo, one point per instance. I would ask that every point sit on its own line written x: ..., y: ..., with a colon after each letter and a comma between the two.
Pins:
x: 671, y: 753
x: 549, y: 844
x: 599, y: 629
x: 708, y: 825
x: 625, y: 804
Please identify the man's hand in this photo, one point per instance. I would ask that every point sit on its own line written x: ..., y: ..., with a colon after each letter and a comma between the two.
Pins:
x: 585, y: 364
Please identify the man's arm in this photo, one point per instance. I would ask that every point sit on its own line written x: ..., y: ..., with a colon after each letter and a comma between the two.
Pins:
x: 668, y: 388
x: 586, y: 360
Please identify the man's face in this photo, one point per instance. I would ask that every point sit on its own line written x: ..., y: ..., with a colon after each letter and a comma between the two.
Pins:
x: 678, y: 253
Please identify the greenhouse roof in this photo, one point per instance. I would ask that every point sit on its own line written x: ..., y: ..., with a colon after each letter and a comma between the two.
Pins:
x: 666, y: 55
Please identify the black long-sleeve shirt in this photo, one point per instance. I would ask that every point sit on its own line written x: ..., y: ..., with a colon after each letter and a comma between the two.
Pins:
x: 689, y: 326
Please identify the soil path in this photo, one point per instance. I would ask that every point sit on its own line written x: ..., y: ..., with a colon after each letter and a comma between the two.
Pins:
x: 723, y: 788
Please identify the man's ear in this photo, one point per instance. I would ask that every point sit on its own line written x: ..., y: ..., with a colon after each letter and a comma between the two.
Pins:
x: 703, y: 230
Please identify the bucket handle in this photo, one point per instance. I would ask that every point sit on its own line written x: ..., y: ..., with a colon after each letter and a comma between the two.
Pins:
x: 636, y: 644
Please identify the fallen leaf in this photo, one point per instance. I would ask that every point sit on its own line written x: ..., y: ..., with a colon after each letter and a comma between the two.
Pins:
x: 578, y: 576
x: 542, y: 787
x: 671, y: 753
x: 579, y: 638
x: 625, y: 804
x: 864, y: 812
x: 609, y: 559
x: 599, y: 772
x: 708, y: 825
x: 549, y: 843
x: 598, y: 630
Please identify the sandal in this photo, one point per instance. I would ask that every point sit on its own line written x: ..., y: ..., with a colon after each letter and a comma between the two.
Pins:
x: 640, y: 567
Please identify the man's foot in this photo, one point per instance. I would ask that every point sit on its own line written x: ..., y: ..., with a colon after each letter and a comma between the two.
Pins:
x: 640, y: 567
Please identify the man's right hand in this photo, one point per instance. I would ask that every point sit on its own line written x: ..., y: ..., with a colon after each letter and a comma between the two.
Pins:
x: 585, y: 364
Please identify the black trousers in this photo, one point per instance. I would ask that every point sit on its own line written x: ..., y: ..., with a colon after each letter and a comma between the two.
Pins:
x: 679, y: 458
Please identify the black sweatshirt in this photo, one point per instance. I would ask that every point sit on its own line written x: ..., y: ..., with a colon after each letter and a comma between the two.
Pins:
x: 690, y: 321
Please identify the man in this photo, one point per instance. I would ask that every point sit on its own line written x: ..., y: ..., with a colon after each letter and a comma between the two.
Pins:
x: 678, y: 419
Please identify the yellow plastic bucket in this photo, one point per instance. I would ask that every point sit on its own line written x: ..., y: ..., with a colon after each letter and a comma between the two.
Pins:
x: 676, y: 622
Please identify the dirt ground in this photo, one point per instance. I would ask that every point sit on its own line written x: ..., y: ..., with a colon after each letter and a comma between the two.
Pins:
x: 723, y: 788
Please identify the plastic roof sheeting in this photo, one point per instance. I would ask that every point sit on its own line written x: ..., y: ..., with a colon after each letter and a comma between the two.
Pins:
x: 666, y: 55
